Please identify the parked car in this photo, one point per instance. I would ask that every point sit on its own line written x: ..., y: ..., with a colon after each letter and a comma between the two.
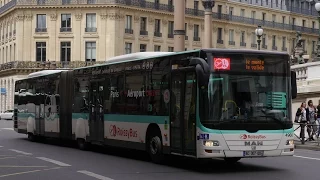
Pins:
x: 8, y: 115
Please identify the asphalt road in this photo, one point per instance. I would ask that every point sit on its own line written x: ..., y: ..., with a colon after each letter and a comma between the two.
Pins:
x: 21, y: 159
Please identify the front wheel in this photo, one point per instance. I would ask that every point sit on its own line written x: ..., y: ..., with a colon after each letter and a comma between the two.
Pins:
x: 154, y: 148
x: 232, y: 160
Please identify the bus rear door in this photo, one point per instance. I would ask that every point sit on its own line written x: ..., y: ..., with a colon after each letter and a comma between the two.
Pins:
x: 182, y: 113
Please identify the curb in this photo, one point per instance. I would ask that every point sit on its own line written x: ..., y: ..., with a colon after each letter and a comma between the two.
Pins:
x: 308, y: 147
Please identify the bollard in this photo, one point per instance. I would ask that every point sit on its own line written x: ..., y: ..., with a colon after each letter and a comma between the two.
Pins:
x: 302, y: 132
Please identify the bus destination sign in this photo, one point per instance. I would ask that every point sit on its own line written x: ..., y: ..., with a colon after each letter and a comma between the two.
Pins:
x: 255, y: 64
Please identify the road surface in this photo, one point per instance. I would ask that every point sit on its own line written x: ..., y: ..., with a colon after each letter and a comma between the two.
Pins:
x: 21, y: 159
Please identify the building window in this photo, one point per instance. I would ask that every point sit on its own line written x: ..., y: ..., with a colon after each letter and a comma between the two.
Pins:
x: 157, y: 48
x: 91, y: 25
x: 170, y: 29
x: 263, y: 40
x: 219, y: 34
x: 157, y: 27
x: 41, y: 51
x: 313, y: 24
x: 196, y: 5
x: 143, y: 47
x: 128, y: 29
x: 253, y: 14
x: 65, y: 51
x: 231, y: 11
x: 143, y: 24
x: 196, y: 33
x: 313, y: 46
x: 65, y: 23
x: 253, y: 38
x: 128, y: 22
x: 91, y: 52
x: 242, y: 37
x: 242, y: 13
x: 284, y: 42
x: 231, y: 35
x: 128, y: 48
x: 273, y: 41
x: 170, y: 49
x: 41, y: 23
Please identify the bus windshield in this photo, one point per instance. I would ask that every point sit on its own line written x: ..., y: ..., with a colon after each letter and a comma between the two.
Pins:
x: 247, y: 90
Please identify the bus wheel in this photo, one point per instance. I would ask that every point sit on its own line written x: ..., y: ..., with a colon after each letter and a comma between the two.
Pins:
x: 232, y: 160
x: 154, y: 148
x: 82, y: 144
x: 31, y: 137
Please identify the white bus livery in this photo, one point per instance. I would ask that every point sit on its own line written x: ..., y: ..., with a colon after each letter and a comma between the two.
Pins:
x: 207, y: 103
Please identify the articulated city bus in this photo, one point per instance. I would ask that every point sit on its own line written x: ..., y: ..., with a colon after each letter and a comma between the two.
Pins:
x: 205, y: 103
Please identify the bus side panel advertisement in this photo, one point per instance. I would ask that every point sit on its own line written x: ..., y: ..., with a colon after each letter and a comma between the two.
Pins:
x: 132, y: 131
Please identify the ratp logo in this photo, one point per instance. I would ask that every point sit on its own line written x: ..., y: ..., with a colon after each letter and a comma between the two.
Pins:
x: 243, y: 136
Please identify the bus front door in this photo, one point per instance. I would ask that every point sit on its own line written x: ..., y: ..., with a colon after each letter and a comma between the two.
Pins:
x: 96, y: 119
x: 183, y: 113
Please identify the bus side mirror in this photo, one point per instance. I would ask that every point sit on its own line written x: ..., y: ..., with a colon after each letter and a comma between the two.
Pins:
x: 294, y: 91
x: 202, y: 70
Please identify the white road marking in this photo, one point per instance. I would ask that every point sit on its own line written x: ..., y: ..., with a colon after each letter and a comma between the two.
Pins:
x: 53, y: 161
x: 8, y: 128
x: 1, y: 146
x: 318, y: 159
x: 21, y: 152
x: 26, y: 172
x: 97, y: 176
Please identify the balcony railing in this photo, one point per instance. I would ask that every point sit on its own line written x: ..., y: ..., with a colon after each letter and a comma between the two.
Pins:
x: 281, y: 5
x: 45, y: 65
x: 168, y: 8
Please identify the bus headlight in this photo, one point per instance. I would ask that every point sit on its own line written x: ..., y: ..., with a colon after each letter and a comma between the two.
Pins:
x: 290, y: 142
x: 210, y: 143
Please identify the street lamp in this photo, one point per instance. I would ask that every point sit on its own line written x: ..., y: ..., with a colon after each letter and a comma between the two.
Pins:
x: 259, y: 33
x: 317, y: 6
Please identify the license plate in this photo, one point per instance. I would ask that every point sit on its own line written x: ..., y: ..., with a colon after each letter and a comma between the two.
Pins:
x: 253, y: 153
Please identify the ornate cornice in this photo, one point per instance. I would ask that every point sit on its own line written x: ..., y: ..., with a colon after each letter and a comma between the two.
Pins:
x: 28, y: 17
x: 104, y: 16
x: 19, y: 17
x: 115, y: 16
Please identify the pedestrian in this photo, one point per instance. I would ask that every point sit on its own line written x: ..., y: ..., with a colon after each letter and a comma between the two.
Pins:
x: 318, y: 119
x: 301, y: 117
x: 311, y: 120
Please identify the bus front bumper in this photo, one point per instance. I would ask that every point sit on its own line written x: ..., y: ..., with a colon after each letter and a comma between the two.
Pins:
x: 213, y: 153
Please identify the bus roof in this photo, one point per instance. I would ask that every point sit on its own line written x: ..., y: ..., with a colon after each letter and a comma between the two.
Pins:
x: 137, y: 55
x: 251, y: 51
x: 44, y: 73
x: 145, y: 55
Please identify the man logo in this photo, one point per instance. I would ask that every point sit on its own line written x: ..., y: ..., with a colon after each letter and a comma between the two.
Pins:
x: 243, y: 136
x: 253, y: 143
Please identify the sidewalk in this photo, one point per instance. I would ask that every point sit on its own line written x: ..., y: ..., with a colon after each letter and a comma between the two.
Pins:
x: 310, y: 145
